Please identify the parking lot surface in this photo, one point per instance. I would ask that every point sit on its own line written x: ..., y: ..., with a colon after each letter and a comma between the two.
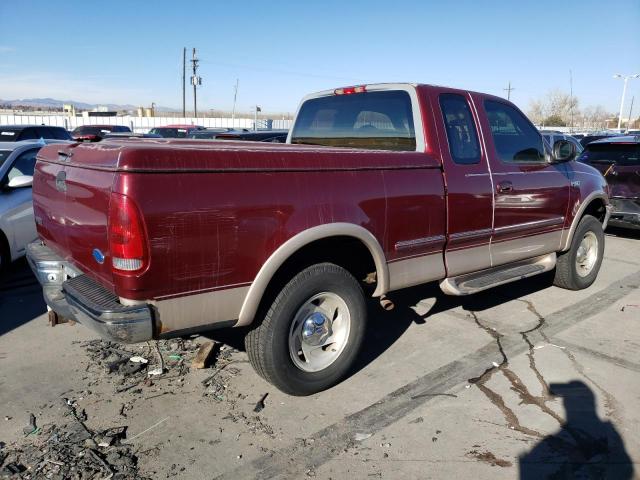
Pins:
x: 523, y: 381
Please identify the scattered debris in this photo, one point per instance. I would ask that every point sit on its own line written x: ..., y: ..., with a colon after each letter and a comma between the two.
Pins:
x: 420, y: 395
x: 359, y: 437
x: 489, y: 458
x: 205, y: 353
x: 629, y: 305
x: 260, y: 405
x: 417, y: 420
x: 31, y: 428
x: 138, y: 359
x: 72, y: 450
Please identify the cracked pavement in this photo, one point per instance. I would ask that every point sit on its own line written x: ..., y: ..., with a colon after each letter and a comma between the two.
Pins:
x: 523, y: 381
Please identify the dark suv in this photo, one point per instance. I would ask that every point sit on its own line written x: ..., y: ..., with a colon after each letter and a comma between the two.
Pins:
x: 17, y: 133
x: 618, y: 158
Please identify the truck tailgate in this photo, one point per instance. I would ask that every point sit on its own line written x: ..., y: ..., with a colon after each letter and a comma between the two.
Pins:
x: 71, y: 206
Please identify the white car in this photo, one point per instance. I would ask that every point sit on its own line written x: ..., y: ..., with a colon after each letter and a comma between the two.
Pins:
x: 17, y: 225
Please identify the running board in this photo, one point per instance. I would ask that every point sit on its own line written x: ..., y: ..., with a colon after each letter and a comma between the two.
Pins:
x: 485, y: 279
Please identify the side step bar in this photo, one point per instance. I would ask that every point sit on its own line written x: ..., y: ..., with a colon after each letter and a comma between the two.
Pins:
x: 492, y: 277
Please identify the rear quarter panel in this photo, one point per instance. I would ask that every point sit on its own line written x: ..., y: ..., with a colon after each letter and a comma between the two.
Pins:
x: 214, y: 230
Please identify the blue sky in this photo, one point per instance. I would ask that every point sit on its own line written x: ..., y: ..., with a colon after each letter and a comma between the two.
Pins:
x: 130, y: 51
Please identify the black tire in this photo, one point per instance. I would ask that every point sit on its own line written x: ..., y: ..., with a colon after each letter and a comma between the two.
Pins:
x: 267, y: 343
x: 567, y: 275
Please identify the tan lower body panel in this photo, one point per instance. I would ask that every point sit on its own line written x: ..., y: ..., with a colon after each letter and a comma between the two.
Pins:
x: 199, y: 310
x: 416, y: 270
x: 525, y: 247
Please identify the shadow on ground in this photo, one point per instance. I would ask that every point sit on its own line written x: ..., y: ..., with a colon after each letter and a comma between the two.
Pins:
x: 20, y: 297
x: 584, y: 447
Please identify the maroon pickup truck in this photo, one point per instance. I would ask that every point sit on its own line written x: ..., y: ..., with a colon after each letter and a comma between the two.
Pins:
x: 379, y: 187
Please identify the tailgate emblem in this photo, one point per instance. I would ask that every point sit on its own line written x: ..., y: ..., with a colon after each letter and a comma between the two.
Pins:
x: 61, y: 181
x: 98, y: 256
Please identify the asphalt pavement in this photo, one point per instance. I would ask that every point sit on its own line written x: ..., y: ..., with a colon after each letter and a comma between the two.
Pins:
x: 523, y: 381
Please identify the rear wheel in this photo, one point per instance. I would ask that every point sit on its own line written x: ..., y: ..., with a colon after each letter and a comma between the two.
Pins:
x: 311, y: 334
x: 579, y: 266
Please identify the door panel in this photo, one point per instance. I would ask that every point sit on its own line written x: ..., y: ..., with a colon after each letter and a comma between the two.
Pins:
x: 468, y: 183
x: 531, y: 195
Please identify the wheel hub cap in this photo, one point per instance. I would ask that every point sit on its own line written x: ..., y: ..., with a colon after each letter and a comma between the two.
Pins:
x: 319, y: 332
x: 587, y: 254
x: 316, y: 329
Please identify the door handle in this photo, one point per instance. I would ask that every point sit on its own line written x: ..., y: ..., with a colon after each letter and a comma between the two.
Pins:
x: 504, y: 187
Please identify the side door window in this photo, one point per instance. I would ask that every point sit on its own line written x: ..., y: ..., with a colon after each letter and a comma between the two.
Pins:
x: 28, y: 134
x: 516, y: 140
x: 461, y: 130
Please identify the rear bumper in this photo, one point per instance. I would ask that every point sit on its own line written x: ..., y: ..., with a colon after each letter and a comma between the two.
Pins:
x: 626, y: 213
x: 75, y: 296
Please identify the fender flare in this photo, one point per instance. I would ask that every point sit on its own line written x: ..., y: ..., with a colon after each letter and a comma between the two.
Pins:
x: 298, y: 241
x: 568, y: 237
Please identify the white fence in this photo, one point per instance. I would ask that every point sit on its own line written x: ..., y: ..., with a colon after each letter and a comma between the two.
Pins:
x: 139, y: 124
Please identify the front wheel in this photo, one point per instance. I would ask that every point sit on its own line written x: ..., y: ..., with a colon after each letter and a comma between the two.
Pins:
x: 310, y: 336
x: 579, y: 266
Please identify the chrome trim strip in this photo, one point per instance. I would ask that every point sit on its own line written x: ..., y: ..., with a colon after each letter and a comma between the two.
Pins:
x: 471, y: 234
x: 415, y: 271
x: 284, y: 251
x: 418, y: 242
x: 526, y: 225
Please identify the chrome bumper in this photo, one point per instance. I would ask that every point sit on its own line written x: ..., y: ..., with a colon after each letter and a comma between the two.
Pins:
x: 607, y: 215
x: 75, y: 296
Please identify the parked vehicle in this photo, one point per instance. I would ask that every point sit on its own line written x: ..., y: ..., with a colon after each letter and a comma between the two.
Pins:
x: 17, y: 227
x: 618, y: 158
x: 380, y: 187
x: 175, y: 131
x: 273, y: 136
x: 211, y: 133
x: 130, y: 135
x: 17, y: 133
x: 587, y: 139
x: 552, y: 136
x: 95, y: 133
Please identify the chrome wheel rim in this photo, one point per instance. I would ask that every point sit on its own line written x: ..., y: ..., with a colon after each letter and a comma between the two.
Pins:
x: 319, y: 332
x: 587, y: 254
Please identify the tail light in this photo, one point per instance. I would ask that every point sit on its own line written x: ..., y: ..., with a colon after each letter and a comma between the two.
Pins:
x: 127, y: 240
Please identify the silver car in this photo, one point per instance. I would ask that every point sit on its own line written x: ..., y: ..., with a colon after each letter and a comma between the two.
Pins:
x: 17, y: 225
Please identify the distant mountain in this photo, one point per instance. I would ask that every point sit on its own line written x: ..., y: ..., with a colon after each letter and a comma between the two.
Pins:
x: 54, y: 103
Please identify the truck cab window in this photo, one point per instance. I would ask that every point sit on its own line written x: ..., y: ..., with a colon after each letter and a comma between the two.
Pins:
x: 461, y: 129
x: 371, y: 120
x: 515, y: 138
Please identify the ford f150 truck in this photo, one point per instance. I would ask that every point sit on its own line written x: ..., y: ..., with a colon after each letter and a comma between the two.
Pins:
x: 379, y: 187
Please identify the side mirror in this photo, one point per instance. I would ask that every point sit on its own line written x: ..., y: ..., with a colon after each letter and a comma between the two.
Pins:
x: 20, y: 181
x: 563, y: 151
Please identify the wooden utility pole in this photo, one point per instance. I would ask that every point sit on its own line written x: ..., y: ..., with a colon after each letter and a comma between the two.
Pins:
x: 508, y: 90
x: 184, y: 72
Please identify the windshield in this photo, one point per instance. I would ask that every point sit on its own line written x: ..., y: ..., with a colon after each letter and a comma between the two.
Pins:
x: 4, y: 154
x: 618, y: 153
x: 371, y: 120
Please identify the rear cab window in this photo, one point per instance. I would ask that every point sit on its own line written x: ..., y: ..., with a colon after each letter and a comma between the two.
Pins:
x: 461, y: 129
x: 376, y: 120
